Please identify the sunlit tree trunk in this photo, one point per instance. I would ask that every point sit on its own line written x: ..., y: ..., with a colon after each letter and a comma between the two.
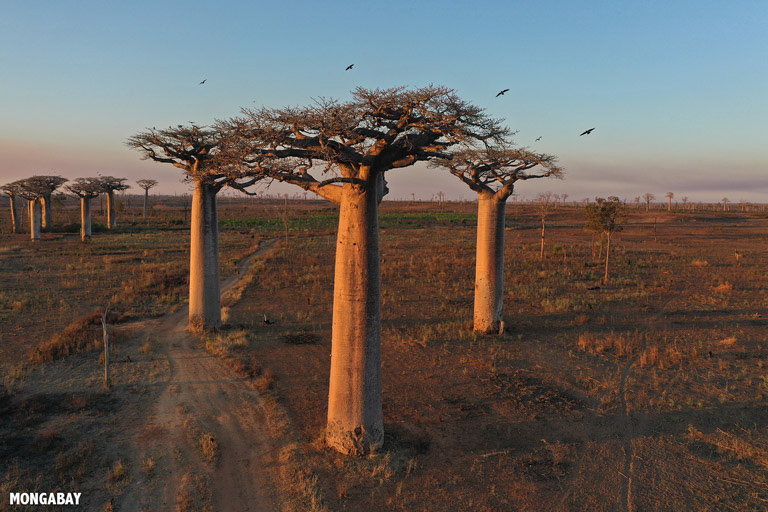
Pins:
x: 47, y: 218
x: 35, y: 219
x: 15, y: 218
x: 355, y: 421
x: 85, y: 219
x: 204, y: 293
x: 111, y: 218
x: 146, y: 202
x: 489, y: 265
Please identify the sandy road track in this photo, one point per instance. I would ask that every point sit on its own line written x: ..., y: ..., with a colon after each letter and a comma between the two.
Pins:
x: 205, y: 432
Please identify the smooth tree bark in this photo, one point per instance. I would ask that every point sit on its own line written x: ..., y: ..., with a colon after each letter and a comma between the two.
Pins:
x: 109, y: 185
x: 489, y: 262
x: 357, y: 142
x: 146, y: 185
x: 35, y: 218
x: 196, y: 151
x: 492, y: 173
x: 204, y: 292
x: 85, y: 189
x: 12, y: 190
x: 85, y: 219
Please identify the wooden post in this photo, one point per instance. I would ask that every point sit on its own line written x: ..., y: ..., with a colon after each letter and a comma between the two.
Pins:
x: 106, y: 348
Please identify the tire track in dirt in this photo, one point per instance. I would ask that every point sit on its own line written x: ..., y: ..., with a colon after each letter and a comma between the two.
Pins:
x: 204, y: 399
x: 626, y: 412
x: 626, y: 419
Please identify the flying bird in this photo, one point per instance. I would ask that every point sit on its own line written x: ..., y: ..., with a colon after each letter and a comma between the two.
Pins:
x: 201, y: 83
x: 501, y: 93
x: 349, y: 67
x: 537, y: 140
x: 586, y: 132
x: 266, y: 320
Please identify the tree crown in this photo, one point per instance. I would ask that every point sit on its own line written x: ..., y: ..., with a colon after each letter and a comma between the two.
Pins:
x: 496, y: 168
x: 196, y: 150
x: 86, y: 188
x: 146, y: 184
x: 605, y: 215
x: 358, y: 140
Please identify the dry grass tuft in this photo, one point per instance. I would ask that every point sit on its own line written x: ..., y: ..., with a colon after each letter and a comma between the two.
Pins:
x: 699, y: 263
x: 623, y: 345
x: 118, y: 472
x: 209, y: 447
x: 723, y: 288
x: 727, y: 342
x: 80, y: 337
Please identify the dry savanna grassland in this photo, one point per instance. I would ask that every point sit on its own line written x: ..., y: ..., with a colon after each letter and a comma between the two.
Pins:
x: 649, y: 392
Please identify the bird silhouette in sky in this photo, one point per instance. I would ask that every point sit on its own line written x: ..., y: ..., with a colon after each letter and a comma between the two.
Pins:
x: 349, y: 67
x: 537, y: 140
x: 586, y: 132
x: 201, y: 83
x: 501, y: 93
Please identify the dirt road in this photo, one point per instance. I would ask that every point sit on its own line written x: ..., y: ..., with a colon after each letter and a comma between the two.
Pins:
x: 206, y: 434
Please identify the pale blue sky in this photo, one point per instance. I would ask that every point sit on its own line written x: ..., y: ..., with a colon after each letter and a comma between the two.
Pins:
x: 676, y: 90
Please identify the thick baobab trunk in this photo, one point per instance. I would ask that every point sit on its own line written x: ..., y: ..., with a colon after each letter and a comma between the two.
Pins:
x: 146, y: 202
x: 15, y: 219
x: 355, y: 420
x: 35, y: 219
x: 489, y: 270
x: 204, y: 295
x: 111, y: 218
x: 47, y: 219
x: 85, y: 219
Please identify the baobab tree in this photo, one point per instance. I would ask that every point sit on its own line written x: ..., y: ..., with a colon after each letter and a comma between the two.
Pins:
x: 669, y: 196
x: 355, y: 143
x: 194, y: 150
x: 146, y: 185
x: 605, y: 216
x: 47, y: 185
x: 648, y: 198
x: 32, y: 191
x: 684, y: 200
x: 12, y: 190
x: 109, y: 185
x: 563, y: 197
x: 492, y: 173
x: 86, y: 189
x: 725, y: 202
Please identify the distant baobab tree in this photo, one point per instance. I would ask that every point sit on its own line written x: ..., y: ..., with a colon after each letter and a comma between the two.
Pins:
x: 86, y: 189
x: 563, y: 197
x: 194, y: 149
x: 12, y: 190
x: 637, y: 202
x: 32, y: 191
x: 725, y: 202
x: 146, y: 185
x: 47, y: 185
x: 605, y: 216
x: 555, y: 200
x: 648, y: 198
x: 355, y: 143
x: 669, y: 196
x: 492, y: 173
x: 684, y: 200
x: 110, y: 184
